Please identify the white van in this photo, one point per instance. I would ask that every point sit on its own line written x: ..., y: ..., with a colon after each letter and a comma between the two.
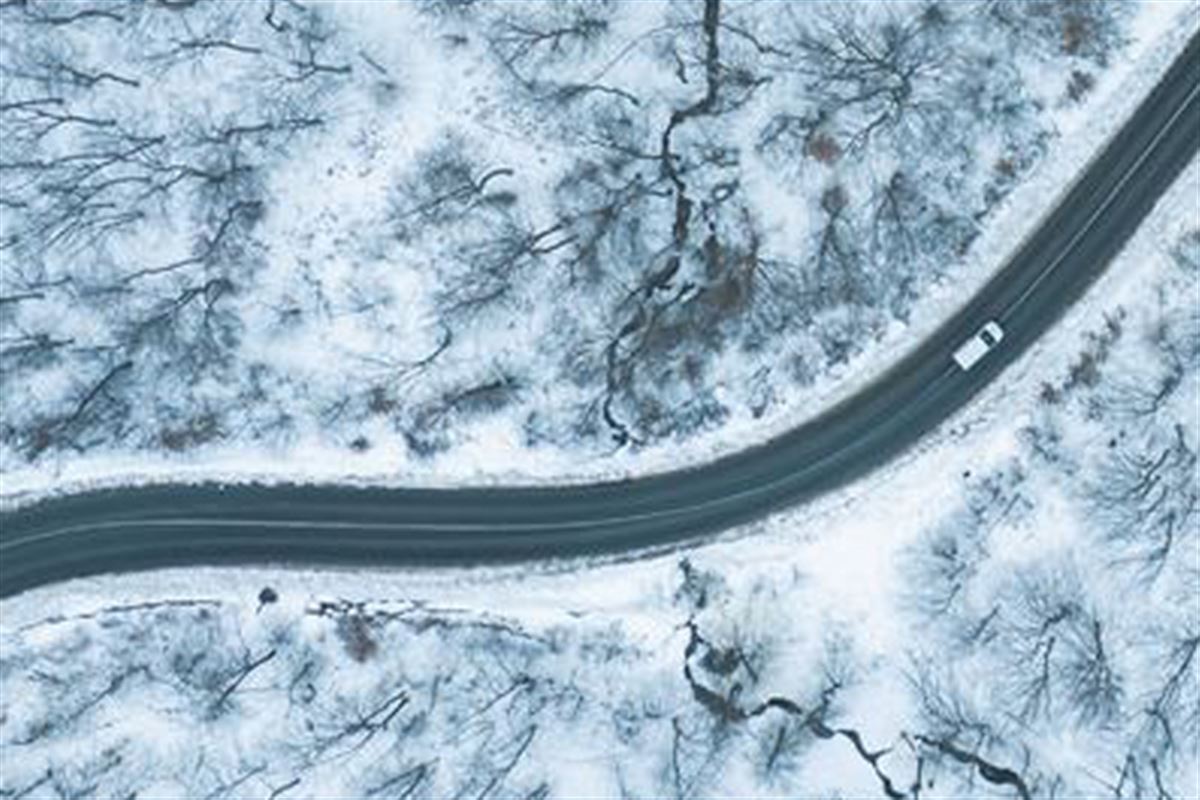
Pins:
x: 975, y: 348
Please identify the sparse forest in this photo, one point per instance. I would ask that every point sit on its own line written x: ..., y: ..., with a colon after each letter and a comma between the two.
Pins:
x: 592, y: 227
x: 1036, y: 638
x: 257, y: 226
x: 1095, y: 637
x: 403, y: 700
x: 138, y: 141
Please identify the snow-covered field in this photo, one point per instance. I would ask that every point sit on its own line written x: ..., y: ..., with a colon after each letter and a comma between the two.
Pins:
x: 1010, y: 610
x: 320, y: 335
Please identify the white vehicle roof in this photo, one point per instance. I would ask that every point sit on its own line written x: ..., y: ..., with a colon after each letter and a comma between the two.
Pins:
x: 975, y: 348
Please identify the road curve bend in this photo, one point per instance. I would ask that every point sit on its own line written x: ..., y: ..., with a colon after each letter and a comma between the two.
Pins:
x: 143, y: 528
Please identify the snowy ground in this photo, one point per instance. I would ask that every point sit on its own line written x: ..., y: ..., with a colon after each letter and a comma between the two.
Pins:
x: 1011, y: 609
x: 322, y: 386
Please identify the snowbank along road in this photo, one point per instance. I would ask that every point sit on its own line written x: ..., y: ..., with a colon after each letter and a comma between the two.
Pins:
x: 142, y: 528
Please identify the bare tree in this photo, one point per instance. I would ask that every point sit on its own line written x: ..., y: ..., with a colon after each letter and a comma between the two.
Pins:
x: 1171, y: 725
x: 870, y: 77
x: 1144, y: 494
x: 532, y: 45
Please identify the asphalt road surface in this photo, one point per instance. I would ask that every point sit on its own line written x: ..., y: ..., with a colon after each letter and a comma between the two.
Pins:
x: 134, y: 529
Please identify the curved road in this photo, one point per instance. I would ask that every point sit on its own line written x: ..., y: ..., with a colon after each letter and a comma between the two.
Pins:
x: 131, y: 529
